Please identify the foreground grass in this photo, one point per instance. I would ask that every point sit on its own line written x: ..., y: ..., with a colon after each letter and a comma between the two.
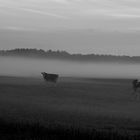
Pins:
x: 85, y: 109
x: 35, y: 131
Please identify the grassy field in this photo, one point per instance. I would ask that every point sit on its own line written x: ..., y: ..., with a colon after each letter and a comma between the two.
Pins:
x: 83, y: 104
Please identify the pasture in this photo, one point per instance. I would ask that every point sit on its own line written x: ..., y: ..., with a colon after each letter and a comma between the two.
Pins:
x: 83, y: 103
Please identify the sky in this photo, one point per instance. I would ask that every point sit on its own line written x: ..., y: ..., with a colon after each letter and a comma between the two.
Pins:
x: 104, y: 20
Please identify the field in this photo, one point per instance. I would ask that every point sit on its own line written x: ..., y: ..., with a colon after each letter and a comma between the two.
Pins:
x: 82, y: 104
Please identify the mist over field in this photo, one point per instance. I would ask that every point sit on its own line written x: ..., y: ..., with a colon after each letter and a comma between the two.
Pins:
x: 14, y: 66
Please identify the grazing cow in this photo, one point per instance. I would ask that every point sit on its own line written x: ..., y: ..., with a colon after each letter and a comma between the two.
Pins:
x: 50, y: 77
x: 136, y: 85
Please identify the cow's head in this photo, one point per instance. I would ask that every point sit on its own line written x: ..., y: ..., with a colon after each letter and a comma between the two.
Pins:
x: 42, y: 73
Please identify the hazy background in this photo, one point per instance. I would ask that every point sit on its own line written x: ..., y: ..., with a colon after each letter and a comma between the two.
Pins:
x: 33, y: 67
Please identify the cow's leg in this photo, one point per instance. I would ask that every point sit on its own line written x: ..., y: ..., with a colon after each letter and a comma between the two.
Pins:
x: 136, y: 95
x: 55, y: 83
x: 134, y: 91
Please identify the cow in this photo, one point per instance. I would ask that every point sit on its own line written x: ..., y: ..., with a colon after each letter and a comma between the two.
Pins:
x: 136, y: 85
x: 50, y: 77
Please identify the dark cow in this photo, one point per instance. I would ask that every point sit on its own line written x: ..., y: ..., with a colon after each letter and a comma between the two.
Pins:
x: 50, y: 77
x: 136, y: 85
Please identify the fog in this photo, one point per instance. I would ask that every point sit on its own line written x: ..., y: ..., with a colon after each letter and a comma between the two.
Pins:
x: 10, y: 66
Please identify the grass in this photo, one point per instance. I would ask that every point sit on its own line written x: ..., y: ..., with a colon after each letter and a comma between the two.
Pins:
x: 75, y: 108
x: 34, y: 131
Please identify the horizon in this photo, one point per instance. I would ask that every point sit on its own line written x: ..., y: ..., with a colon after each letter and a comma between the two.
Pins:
x: 61, y: 51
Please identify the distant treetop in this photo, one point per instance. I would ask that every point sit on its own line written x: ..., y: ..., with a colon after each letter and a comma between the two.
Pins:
x: 63, y: 55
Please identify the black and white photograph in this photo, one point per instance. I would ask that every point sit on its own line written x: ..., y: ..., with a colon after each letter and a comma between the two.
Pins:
x: 69, y: 70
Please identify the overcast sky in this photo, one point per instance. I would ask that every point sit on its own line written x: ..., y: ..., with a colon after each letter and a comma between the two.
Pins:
x: 104, y: 16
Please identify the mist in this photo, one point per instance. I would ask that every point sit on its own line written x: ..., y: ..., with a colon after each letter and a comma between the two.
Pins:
x: 14, y: 66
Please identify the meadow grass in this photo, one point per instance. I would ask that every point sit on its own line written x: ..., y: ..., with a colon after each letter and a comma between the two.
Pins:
x: 35, y: 131
x: 74, y: 108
